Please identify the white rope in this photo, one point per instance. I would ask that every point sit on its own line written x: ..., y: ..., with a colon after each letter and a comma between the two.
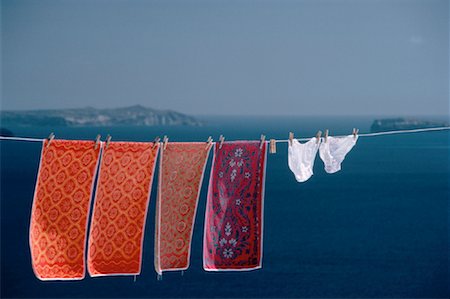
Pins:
x: 404, y: 131
x: 277, y: 141
x: 21, y: 139
x: 381, y: 133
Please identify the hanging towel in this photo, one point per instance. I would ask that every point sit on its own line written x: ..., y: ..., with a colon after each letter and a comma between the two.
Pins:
x: 180, y: 179
x: 233, y: 231
x: 301, y: 158
x: 333, y: 151
x: 60, y: 209
x: 120, y: 209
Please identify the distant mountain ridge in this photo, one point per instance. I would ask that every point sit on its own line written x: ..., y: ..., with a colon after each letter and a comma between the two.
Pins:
x: 392, y: 124
x: 136, y: 115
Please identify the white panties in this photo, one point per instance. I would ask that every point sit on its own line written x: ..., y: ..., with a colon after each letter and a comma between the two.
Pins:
x: 301, y: 158
x: 333, y: 151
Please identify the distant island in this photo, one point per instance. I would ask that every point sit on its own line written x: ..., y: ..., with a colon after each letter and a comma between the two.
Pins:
x: 134, y: 116
x: 391, y: 124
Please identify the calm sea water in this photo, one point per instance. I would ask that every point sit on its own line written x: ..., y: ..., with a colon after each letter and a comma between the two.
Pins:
x: 378, y: 228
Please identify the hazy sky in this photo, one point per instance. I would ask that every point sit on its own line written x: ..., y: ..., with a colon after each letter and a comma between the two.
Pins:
x: 307, y: 57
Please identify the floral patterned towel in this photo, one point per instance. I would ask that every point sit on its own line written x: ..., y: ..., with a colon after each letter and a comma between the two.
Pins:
x: 61, y: 207
x: 121, y: 202
x: 180, y: 180
x: 234, y: 211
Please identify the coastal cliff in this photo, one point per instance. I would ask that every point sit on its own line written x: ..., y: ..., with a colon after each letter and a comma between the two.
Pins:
x: 133, y: 115
x: 392, y: 124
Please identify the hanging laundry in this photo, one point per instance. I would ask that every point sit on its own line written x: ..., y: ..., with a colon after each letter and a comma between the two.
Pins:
x: 301, y: 158
x: 120, y: 209
x: 233, y: 231
x: 180, y: 180
x: 61, y: 207
x: 333, y: 151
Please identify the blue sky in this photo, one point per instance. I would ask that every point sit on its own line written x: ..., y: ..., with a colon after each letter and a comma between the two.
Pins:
x: 311, y: 57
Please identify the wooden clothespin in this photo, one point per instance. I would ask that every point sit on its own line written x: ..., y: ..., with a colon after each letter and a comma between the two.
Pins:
x: 326, y: 135
x: 319, y: 133
x: 97, y: 141
x: 273, y: 146
x: 50, y: 138
x: 221, y: 140
x: 355, y: 132
x: 108, y: 140
x: 291, y: 137
x: 165, y: 140
x: 155, y: 142
x: 208, y: 142
x: 263, y: 139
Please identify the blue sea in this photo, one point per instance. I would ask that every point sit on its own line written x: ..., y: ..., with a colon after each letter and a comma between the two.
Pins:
x: 378, y: 228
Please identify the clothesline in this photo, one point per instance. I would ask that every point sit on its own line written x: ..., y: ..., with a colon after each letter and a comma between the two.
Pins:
x: 233, y: 237
x: 381, y: 133
x: 28, y: 139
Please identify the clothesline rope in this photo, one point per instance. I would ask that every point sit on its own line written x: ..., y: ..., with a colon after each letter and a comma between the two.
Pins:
x: 381, y: 133
x: 21, y: 139
x: 28, y: 139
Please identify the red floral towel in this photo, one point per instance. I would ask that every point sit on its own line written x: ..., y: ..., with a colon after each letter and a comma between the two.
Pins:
x: 180, y: 180
x: 234, y: 209
x: 123, y: 190
x: 61, y: 207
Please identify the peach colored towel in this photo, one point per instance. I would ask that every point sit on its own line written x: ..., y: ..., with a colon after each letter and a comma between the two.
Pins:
x: 120, y: 209
x: 180, y: 180
x: 61, y: 207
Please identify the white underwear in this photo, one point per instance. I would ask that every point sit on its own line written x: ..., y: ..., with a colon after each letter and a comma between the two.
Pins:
x: 333, y: 151
x: 301, y: 158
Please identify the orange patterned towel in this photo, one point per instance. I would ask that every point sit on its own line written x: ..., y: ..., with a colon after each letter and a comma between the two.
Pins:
x: 180, y: 180
x: 120, y: 209
x: 61, y: 207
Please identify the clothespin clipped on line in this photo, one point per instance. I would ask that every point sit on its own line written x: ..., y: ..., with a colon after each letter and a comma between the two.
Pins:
x: 291, y: 137
x: 97, y: 141
x: 165, y: 140
x: 326, y: 136
x: 273, y: 146
x: 208, y: 142
x: 50, y: 138
x: 263, y: 139
x: 155, y: 142
x: 355, y: 132
x: 221, y: 140
x: 108, y: 140
x: 319, y: 133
